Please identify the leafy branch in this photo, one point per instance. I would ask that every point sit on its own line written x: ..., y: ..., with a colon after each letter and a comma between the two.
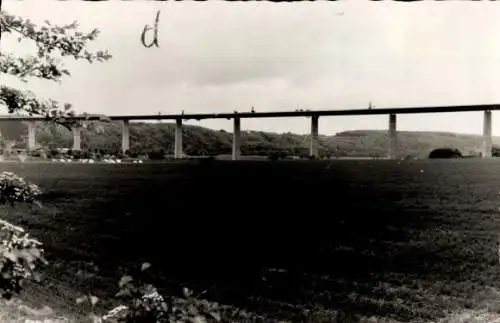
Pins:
x: 50, y: 40
x: 32, y: 66
x: 66, y: 39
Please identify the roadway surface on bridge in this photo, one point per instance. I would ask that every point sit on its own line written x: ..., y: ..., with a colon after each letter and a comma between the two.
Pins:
x: 275, y: 114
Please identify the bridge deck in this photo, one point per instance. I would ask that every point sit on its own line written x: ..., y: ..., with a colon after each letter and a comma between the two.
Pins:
x: 280, y: 114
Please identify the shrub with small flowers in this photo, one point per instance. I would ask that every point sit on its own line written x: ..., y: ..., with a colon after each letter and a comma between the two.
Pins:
x: 146, y: 304
x: 19, y: 253
x: 14, y: 188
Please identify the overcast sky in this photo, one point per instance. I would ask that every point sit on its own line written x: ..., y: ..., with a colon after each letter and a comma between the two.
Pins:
x: 222, y: 56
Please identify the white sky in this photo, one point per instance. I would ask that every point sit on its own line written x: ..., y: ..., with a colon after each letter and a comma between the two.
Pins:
x: 224, y: 56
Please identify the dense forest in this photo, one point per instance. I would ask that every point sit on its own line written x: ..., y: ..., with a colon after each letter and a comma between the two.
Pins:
x: 148, y: 137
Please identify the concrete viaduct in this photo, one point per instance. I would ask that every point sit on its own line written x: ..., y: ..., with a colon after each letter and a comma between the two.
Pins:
x: 314, y: 115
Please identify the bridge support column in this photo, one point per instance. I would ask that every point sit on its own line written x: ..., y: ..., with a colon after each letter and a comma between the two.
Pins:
x: 236, y: 138
x: 393, y: 137
x: 178, y: 139
x: 31, y: 136
x: 76, y: 138
x: 125, y: 136
x: 487, y: 141
x: 314, y: 145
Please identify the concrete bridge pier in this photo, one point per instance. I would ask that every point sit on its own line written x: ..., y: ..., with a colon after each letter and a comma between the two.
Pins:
x: 487, y: 141
x: 314, y: 145
x: 76, y: 138
x: 178, y: 139
x: 236, y: 138
x: 125, y: 136
x: 393, y: 137
x: 31, y: 136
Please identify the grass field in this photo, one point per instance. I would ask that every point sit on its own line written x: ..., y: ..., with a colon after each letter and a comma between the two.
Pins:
x: 407, y: 240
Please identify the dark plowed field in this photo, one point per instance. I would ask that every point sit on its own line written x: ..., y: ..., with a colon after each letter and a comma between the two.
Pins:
x: 402, y: 239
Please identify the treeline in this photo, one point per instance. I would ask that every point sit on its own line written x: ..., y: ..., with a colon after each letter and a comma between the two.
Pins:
x: 198, y: 141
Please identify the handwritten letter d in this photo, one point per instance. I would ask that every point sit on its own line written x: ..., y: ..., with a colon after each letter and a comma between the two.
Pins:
x: 147, y: 28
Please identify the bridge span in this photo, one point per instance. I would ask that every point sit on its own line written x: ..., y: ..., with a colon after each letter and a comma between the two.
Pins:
x: 237, y: 116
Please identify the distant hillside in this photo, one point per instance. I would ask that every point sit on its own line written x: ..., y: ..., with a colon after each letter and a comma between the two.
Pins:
x: 203, y: 141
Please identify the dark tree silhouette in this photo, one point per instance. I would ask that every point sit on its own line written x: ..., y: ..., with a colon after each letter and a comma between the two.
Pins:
x: 445, y: 153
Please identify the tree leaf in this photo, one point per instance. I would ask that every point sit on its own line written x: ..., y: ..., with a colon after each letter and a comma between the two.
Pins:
x: 186, y: 292
x: 11, y: 256
x: 93, y: 299
x: 81, y: 299
x: 215, y: 316
x: 145, y: 266
x: 125, y: 280
x: 123, y: 292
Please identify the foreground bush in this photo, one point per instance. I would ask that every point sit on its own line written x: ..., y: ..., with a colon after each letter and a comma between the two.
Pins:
x: 15, y: 189
x: 143, y: 303
x: 445, y: 153
x: 19, y: 254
